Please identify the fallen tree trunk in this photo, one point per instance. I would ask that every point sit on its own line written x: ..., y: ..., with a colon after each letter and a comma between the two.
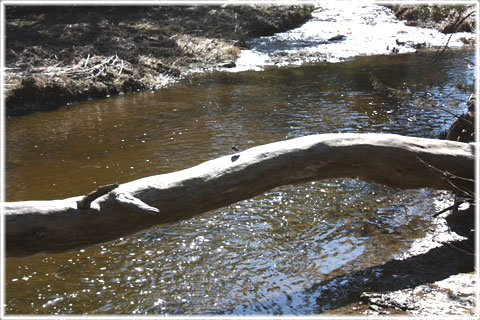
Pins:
x: 115, y: 211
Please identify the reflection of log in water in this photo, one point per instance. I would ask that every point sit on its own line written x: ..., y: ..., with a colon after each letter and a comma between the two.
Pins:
x: 393, y: 160
x: 398, y: 94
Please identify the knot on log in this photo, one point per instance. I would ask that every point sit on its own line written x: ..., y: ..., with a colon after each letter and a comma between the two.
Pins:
x: 89, y: 198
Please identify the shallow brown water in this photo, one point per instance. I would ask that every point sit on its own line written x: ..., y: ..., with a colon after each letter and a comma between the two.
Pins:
x: 257, y: 256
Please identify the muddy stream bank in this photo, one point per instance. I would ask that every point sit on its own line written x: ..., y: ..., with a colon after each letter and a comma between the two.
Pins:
x: 58, y: 55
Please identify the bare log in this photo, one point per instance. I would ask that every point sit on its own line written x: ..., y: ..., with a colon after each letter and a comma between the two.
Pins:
x: 116, y: 211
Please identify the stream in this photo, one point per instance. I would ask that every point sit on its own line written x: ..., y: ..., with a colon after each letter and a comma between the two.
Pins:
x: 259, y: 256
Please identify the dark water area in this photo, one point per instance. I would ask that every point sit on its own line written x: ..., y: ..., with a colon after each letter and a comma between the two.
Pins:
x: 258, y: 256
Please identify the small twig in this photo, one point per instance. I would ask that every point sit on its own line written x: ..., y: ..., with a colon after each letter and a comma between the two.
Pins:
x: 436, y: 214
x: 454, y: 246
x: 438, y: 107
x: 457, y: 23
x: 437, y: 55
x: 173, y: 64
x: 459, y: 249
x: 101, y: 70
x: 469, y: 61
x: 86, y: 61
x: 121, y: 68
x: 448, y: 177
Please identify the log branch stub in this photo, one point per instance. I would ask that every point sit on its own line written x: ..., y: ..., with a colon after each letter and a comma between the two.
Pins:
x: 89, y: 198
x: 131, y: 203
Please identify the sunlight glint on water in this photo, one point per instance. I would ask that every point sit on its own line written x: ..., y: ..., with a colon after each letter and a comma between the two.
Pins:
x: 366, y: 30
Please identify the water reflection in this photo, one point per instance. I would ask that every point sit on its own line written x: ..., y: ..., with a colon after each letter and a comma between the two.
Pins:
x: 261, y: 249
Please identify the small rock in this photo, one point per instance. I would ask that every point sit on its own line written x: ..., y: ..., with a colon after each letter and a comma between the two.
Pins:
x: 229, y: 64
x: 338, y: 37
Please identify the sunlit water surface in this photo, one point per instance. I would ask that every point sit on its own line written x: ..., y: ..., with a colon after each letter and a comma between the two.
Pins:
x: 259, y: 256
x: 340, y: 30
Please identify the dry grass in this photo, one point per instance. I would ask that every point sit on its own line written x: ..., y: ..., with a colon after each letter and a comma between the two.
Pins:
x: 56, y: 55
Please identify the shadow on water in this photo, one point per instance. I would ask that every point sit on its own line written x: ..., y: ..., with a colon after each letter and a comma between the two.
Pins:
x: 435, y: 265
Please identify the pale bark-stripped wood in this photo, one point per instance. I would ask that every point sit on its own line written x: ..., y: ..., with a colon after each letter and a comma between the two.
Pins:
x: 403, y: 162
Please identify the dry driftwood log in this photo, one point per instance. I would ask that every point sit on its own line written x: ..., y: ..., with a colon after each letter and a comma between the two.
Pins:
x: 116, y: 211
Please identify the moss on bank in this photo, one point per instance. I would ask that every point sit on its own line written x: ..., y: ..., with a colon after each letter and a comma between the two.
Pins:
x: 60, y: 54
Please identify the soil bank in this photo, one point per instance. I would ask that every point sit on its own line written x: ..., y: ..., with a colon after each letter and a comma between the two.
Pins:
x: 56, y: 55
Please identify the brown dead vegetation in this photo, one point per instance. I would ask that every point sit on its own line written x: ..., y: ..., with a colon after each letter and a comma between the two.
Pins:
x: 445, y: 18
x: 61, y: 54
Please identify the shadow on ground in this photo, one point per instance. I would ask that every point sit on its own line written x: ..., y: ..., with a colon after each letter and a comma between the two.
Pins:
x: 437, y: 264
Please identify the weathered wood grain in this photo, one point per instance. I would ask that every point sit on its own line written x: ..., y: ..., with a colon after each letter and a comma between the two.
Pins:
x: 404, y: 162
